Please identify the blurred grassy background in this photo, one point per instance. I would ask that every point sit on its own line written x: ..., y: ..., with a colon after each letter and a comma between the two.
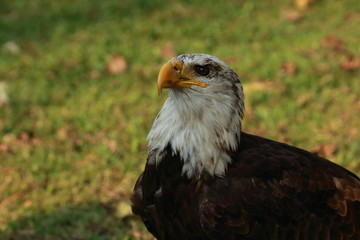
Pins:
x: 78, y: 96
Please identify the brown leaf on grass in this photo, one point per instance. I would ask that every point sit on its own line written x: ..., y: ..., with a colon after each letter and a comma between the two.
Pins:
x: 289, y: 68
x: 10, y: 141
x: 291, y: 15
x: 27, y: 203
x: 63, y: 133
x: 5, y: 148
x: 325, y: 150
x: 168, y: 51
x: 111, y: 145
x: 334, y: 43
x: 6, y: 201
x: 353, y: 133
x: 116, y: 65
x: 24, y: 137
x: 350, y: 63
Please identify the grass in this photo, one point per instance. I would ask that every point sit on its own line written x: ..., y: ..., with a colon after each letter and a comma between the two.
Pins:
x: 73, y: 135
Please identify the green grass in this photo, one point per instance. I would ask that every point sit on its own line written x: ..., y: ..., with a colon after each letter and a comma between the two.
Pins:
x: 73, y: 136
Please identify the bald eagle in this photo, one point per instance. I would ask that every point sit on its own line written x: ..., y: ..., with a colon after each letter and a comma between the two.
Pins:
x: 206, y: 179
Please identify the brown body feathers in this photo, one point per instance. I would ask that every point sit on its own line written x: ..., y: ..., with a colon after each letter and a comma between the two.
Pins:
x: 271, y: 191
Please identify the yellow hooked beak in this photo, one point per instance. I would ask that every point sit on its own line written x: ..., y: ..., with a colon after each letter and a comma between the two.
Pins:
x: 174, y: 74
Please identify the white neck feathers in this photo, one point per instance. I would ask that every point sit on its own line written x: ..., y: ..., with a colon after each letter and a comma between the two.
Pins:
x: 201, y: 129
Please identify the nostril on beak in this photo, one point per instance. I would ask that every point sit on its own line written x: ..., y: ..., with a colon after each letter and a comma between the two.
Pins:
x: 177, y: 65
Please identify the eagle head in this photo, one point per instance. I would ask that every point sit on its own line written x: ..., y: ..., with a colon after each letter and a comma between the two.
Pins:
x: 201, y: 118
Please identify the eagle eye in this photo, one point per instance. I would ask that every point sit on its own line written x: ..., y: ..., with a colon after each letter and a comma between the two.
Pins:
x: 202, y: 70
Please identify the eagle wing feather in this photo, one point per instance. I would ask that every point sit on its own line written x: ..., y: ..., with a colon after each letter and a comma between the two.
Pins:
x: 268, y: 196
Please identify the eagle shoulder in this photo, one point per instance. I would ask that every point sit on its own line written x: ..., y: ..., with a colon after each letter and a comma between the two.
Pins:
x: 275, y: 191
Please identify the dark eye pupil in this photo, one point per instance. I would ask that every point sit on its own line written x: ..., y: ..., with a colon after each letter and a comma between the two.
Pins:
x: 202, y: 70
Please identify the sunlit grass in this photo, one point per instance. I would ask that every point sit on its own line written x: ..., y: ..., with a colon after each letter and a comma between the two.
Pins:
x: 73, y: 135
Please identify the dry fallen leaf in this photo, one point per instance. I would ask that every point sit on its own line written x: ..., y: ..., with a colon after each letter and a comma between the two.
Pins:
x: 111, y: 145
x: 63, y: 133
x: 325, y: 150
x: 288, y: 68
x: 350, y: 63
x: 116, y: 65
x: 10, y: 141
x: 290, y: 15
x: 334, y: 43
x: 5, y: 148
